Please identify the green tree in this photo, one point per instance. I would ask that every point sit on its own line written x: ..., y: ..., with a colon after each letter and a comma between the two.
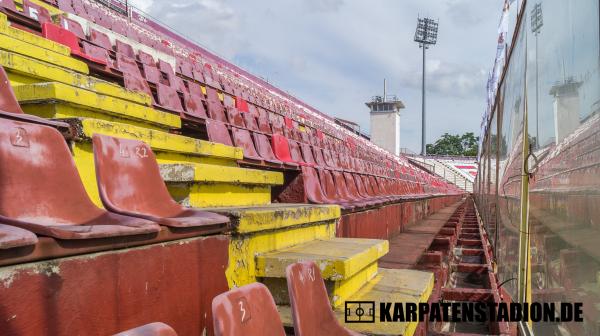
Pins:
x: 457, y: 145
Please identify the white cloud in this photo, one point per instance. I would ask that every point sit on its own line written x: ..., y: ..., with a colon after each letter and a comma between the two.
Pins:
x: 334, y: 54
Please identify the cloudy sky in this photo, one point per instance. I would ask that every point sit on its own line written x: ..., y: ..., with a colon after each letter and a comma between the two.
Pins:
x: 334, y: 54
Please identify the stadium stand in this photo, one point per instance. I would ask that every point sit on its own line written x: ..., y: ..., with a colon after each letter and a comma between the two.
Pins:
x: 145, y: 172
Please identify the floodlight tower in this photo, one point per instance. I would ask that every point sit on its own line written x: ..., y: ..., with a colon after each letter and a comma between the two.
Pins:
x: 425, y: 35
x: 537, y: 21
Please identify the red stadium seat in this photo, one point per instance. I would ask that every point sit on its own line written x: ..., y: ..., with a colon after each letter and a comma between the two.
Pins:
x: 97, y: 53
x: 313, y: 190
x: 125, y: 49
x: 194, y: 106
x: 235, y: 117
x: 241, y: 104
x: 246, y: 311
x: 100, y: 39
x: 319, y: 159
x: 151, y: 73
x: 307, y: 154
x: 145, y: 194
x: 168, y: 98
x: 330, y: 189
x: 281, y: 148
x: 250, y: 122
x: 243, y: 139
x: 311, y: 310
x: 11, y: 237
x: 296, y: 154
x: 217, y: 132
x: 150, y: 329
x: 36, y: 12
x: 264, y: 149
x: 263, y: 124
x: 184, y: 68
x: 73, y: 26
x: 146, y: 58
x: 36, y: 162
x: 69, y: 39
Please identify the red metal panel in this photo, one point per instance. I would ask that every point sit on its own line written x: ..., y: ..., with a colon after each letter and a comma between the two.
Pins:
x: 104, y: 293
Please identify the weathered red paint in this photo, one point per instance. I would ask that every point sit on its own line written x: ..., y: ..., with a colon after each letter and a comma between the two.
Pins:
x: 104, y: 293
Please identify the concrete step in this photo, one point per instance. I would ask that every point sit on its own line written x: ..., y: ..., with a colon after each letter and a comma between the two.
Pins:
x: 388, y: 285
x: 60, y: 100
x: 338, y: 258
x: 257, y: 230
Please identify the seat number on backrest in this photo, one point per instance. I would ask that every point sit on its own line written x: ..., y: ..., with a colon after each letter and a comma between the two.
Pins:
x: 123, y: 151
x: 244, y: 310
x: 311, y: 274
x: 19, y: 138
x: 141, y: 151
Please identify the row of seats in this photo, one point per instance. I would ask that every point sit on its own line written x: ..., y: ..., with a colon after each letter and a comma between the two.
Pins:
x: 189, y: 70
x: 36, y: 162
x: 31, y: 17
x: 251, y: 311
x: 268, y: 138
x: 353, y: 190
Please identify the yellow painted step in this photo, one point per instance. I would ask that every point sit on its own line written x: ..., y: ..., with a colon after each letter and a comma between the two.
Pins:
x: 32, y: 39
x: 192, y: 172
x: 389, y: 285
x: 34, y: 71
x: 338, y: 258
x: 55, y: 93
x: 168, y: 147
x: 266, y: 228
x: 248, y: 220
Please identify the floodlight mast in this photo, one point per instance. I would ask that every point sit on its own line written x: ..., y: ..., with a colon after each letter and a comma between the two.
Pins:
x: 537, y: 21
x: 425, y: 35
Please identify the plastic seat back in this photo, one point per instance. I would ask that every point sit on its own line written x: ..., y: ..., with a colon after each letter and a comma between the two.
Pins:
x: 281, y: 148
x: 250, y: 122
x: 217, y: 132
x: 168, y: 98
x: 311, y: 310
x: 129, y: 179
x: 235, y: 117
x: 263, y: 146
x: 72, y: 26
x: 246, y: 311
x: 151, y: 73
x: 296, y: 153
x: 263, y: 124
x: 41, y: 189
x: 100, y: 39
x: 319, y: 159
x: 150, y: 329
x: 312, y: 186
x: 307, y: 154
x: 243, y: 139
x: 194, y: 106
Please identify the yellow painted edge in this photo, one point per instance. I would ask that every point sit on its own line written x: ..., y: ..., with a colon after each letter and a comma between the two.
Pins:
x: 32, y: 39
x: 50, y: 72
x: 226, y: 194
x: 62, y: 92
x: 49, y: 56
x: 212, y: 173
x: 161, y: 141
x: 253, y: 220
x: 334, y: 266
